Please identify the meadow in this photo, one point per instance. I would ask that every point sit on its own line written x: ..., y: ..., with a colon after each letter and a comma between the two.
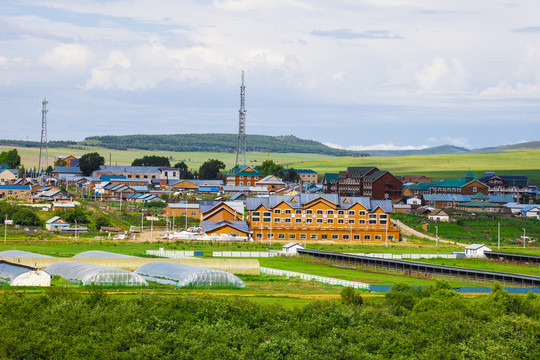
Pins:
x: 435, y: 166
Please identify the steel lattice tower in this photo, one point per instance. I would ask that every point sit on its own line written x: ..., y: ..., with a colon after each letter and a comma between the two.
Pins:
x: 44, y: 148
x: 242, y: 123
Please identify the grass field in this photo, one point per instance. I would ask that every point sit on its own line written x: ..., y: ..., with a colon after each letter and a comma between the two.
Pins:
x: 435, y: 166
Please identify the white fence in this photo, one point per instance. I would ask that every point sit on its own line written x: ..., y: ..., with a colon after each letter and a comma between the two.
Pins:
x: 408, y: 256
x: 172, y: 254
x: 248, y: 254
x: 323, y: 279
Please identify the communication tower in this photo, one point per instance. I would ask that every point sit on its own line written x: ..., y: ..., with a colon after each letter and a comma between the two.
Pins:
x: 241, y: 149
x: 44, y: 147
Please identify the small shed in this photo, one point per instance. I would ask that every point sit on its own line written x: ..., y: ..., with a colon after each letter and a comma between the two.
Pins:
x: 292, y: 247
x: 56, y: 223
x: 21, y: 275
x: 439, y: 215
x: 476, y: 250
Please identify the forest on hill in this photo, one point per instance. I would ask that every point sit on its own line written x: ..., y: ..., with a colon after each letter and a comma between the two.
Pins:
x: 216, y: 143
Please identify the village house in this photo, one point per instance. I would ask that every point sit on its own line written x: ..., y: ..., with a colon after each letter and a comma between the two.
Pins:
x: 514, y: 186
x: 17, y: 191
x: 479, y: 203
x: 330, y: 183
x: 66, y: 172
x: 66, y: 160
x: 320, y: 217
x: 157, y: 173
x: 8, y: 175
x: 306, y: 175
x: 271, y: 183
x: 369, y: 182
x: 183, y: 209
x: 243, y: 175
x: 468, y: 185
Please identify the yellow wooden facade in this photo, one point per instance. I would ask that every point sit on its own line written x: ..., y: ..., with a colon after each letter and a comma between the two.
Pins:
x: 221, y: 212
x: 226, y: 230
x: 319, y: 220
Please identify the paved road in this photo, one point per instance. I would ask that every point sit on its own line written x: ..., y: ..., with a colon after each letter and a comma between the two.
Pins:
x: 406, y: 230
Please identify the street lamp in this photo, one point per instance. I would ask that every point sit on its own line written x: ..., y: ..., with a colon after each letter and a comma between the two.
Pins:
x: 386, y: 231
x: 350, y: 234
x: 436, y: 235
x: 75, y: 230
x: 5, y: 229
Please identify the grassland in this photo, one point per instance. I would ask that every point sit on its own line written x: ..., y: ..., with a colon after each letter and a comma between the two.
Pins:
x: 436, y: 166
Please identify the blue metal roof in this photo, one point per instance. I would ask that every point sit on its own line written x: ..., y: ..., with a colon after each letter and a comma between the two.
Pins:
x: 14, y: 187
x: 67, y: 169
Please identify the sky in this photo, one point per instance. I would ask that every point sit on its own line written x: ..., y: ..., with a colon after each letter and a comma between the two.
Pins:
x: 374, y: 74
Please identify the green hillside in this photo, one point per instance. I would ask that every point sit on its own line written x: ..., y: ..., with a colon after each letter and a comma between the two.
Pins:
x: 530, y: 145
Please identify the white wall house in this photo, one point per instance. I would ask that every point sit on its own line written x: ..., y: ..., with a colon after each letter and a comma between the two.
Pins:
x: 476, y: 250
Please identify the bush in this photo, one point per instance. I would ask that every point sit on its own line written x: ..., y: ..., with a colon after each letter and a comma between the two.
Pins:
x: 349, y: 296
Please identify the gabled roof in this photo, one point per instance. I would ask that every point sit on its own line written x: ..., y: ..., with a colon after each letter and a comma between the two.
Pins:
x: 15, y: 187
x: 331, y: 178
x: 270, y: 179
x: 244, y: 170
x: 208, y: 226
x: 67, y: 170
x: 475, y: 246
x: 291, y: 244
x: 303, y: 171
x: 480, y: 196
x: 302, y: 199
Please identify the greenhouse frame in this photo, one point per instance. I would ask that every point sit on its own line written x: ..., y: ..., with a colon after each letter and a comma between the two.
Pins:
x: 19, y: 254
x: 185, y: 275
x: 98, y: 254
x: 88, y: 274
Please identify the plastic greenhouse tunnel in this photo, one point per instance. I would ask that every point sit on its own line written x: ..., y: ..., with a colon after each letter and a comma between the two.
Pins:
x: 185, y: 275
x: 89, y: 274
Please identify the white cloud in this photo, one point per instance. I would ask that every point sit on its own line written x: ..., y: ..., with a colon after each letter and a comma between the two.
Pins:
x: 63, y: 56
x: 442, y: 76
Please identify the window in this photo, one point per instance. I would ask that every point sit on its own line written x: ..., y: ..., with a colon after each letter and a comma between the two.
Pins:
x: 309, y: 221
x: 287, y: 220
x: 277, y: 211
x: 193, y: 213
x: 313, y: 236
x: 474, y: 190
x: 309, y: 212
x: 330, y: 221
x: 249, y: 183
x: 302, y: 236
x: 341, y: 212
x: 319, y: 221
x: 267, y: 213
x: 256, y: 213
x: 270, y: 236
x: 391, y: 237
x: 351, y: 212
x: 241, y: 177
x: 372, y: 222
x: 324, y: 237
x: 383, y: 216
x: 255, y: 219
x: 288, y: 211
x: 351, y: 221
x: 345, y: 237
x: 335, y: 237
x: 298, y: 220
x: 146, y: 176
x: 361, y: 222
x: 259, y: 235
x: 277, y: 220
x: 367, y: 237
x: 298, y: 212
x: 356, y: 237
x: 173, y: 174
x: 340, y: 221
x: 362, y: 213
x: 382, y: 222
x: 372, y: 216
x: 319, y: 212
x: 153, y: 176
x: 137, y: 176
x: 292, y: 236
x: 330, y: 212
x: 267, y: 219
x: 378, y: 237
x: 281, y: 236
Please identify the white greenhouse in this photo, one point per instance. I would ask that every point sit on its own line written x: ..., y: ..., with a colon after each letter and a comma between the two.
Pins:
x: 95, y: 274
x: 20, y: 275
x: 184, y: 275
x: 97, y: 254
x: 19, y: 254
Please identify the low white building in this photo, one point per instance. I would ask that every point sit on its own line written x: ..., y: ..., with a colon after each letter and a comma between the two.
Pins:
x: 476, y: 250
x: 439, y: 215
x: 21, y: 275
x: 292, y: 247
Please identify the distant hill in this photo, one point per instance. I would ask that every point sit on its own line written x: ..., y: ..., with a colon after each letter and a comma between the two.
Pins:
x: 530, y: 145
x: 216, y: 143
x: 437, y: 150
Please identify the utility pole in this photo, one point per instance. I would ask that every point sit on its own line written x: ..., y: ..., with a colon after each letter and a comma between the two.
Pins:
x: 524, y: 238
x: 436, y: 236
x: 499, y: 236
x: 5, y: 230
x: 241, y: 148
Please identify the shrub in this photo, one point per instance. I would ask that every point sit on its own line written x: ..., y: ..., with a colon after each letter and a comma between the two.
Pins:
x: 349, y: 296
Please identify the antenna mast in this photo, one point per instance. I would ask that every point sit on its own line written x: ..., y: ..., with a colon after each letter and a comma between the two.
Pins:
x: 242, y: 123
x: 44, y: 147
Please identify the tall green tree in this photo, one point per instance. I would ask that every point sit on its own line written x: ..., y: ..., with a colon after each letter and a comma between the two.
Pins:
x: 269, y: 167
x: 11, y: 158
x: 183, y: 170
x: 210, y: 169
x: 90, y: 162
x: 291, y: 175
x: 152, y: 160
